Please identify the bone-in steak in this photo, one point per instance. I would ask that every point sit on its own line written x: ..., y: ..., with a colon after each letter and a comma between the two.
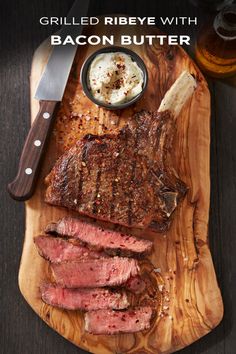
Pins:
x: 114, y: 322
x: 123, y: 178
x: 95, y: 273
x: 57, y: 250
x: 84, y: 299
x: 113, y: 242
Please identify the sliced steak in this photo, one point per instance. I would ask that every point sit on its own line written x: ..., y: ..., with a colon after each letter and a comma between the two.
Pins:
x: 113, y: 242
x: 95, y: 273
x: 84, y: 299
x: 123, y: 178
x: 114, y: 322
x: 135, y: 284
x: 57, y: 250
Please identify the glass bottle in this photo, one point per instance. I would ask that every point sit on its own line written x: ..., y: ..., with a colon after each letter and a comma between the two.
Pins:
x: 216, y: 45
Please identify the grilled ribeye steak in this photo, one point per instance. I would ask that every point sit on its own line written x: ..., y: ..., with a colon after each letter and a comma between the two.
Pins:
x: 114, y: 322
x: 123, y: 178
x: 91, y: 273
x: 57, y: 250
x: 84, y: 299
x: 110, y: 241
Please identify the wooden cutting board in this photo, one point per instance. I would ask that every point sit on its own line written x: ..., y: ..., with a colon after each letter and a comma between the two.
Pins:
x: 191, y: 303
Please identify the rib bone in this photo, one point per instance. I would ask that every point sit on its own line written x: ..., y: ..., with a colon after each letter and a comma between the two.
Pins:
x: 178, y: 94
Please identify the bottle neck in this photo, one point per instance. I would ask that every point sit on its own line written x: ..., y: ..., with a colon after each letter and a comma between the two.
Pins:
x: 225, y: 23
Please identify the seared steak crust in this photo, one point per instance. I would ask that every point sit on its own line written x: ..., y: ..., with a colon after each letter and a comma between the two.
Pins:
x: 123, y: 178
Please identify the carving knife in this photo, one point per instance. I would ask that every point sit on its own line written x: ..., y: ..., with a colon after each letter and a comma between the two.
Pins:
x: 49, y: 92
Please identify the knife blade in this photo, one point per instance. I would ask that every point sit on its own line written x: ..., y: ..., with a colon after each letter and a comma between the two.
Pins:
x: 53, y: 81
x: 49, y: 92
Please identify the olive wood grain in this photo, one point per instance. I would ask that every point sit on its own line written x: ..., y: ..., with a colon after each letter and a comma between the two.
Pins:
x: 191, y: 303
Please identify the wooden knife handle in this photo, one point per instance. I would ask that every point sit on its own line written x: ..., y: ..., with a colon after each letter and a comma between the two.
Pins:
x: 23, y: 185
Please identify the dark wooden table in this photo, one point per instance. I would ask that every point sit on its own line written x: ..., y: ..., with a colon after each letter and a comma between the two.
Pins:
x: 21, y: 331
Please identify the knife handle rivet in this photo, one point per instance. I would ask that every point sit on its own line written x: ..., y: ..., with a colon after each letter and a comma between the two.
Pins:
x: 46, y: 115
x: 28, y: 171
x: 37, y: 143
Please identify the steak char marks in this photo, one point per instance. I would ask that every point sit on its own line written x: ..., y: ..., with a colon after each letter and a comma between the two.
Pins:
x: 123, y: 178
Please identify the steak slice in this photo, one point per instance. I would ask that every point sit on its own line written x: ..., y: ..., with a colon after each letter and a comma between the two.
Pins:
x: 114, y: 322
x: 135, y: 284
x: 57, y: 250
x: 112, y: 242
x: 95, y: 273
x: 122, y: 178
x: 83, y: 299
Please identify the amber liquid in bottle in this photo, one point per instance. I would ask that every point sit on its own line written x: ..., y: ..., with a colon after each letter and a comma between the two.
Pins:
x: 216, y: 45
